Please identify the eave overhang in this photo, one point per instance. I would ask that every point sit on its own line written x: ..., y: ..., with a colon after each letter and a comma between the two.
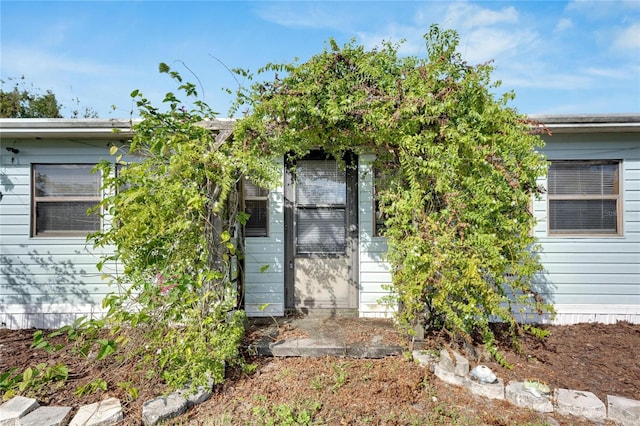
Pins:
x: 589, y: 123
x: 63, y: 128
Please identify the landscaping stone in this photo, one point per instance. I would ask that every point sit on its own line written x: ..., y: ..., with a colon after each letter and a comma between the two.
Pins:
x: 580, y: 403
x: 517, y: 394
x: 47, y: 416
x: 459, y: 365
x: 448, y: 376
x: 163, y: 408
x: 201, y: 394
x: 483, y: 374
x: 487, y: 390
x: 625, y: 411
x: 103, y: 413
x: 15, y: 408
x: 425, y: 358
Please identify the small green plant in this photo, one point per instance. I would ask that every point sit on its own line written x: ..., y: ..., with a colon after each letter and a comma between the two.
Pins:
x: 318, y: 382
x: 339, y: 376
x: 132, y: 391
x: 41, y: 342
x: 91, y: 387
x: 32, y: 379
x: 286, y: 414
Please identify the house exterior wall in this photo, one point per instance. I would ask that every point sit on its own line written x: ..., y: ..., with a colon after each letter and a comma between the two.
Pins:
x: 594, y: 278
x: 49, y: 282
x: 264, y: 263
x: 374, y: 271
x: 44, y: 282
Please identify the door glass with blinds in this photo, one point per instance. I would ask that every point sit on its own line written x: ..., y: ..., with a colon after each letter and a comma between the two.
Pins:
x: 320, y: 213
x: 584, y: 198
x: 62, y: 195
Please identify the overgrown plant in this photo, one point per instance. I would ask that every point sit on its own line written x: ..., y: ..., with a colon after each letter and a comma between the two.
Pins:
x: 172, y: 215
x: 460, y: 165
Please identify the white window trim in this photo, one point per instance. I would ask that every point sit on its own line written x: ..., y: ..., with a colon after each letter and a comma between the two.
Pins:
x: 619, y: 203
x: 35, y: 200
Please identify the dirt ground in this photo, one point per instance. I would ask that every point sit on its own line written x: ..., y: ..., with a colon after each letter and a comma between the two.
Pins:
x: 603, y: 359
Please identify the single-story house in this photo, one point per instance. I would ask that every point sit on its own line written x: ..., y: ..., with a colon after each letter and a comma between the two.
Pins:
x: 313, y: 244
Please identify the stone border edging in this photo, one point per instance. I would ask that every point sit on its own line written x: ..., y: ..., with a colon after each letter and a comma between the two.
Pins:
x: 21, y: 411
x: 584, y: 404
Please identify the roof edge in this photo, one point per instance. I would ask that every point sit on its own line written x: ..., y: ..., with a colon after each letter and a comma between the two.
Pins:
x: 33, y: 128
x: 589, y: 123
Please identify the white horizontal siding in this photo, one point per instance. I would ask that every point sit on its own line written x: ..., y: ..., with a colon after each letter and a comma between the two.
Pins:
x: 44, y: 282
x: 373, y: 270
x: 45, y: 315
x: 264, y: 263
x: 594, y: 278
x: 587, y: 279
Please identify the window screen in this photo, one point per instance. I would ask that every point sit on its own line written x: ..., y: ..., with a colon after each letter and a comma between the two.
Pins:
x: 62, y: 195
x: 320, y: 182
x: 379, y: 180
x: 584, y: 198
x: 257, y: 206
x: 321, y: 194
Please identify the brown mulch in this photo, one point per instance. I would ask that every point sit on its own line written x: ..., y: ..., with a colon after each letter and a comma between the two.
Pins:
x: 603, y: 359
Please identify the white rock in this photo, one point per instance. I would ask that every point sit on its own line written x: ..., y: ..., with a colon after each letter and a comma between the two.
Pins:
x: 483, y: 374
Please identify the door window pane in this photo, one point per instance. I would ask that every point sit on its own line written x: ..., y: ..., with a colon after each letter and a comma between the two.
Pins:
x: 320, y: 182
x: 321, y: 230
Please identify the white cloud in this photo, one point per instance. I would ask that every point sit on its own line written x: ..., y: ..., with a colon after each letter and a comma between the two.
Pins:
x: 563, y: 25
x: 609, y: 73
x: 468, y: 16
x: 305, y: 15
x: 484, y: 44
x: 628, y: 39
x: 18, y: 60
x: 602, y: 7
x: 485, y: 34
x: 412, y: 35
x: 547, y: 80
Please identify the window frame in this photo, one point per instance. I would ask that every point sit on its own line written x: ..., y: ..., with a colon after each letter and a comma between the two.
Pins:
x: 617, y: 196
x: 378, y: 221
x: 37, y: 200
x: 257, y: 198
x: 331, y: 206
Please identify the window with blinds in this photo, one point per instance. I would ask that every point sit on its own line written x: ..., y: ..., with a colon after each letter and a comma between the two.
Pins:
x: 379, y: 179
x: 584, y: 198
x: 62, y: 195
x: 321, y: 207
x: 256, y: 204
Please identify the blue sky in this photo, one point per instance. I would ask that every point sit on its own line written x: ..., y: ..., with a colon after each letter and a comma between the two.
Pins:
x: 558, y: 56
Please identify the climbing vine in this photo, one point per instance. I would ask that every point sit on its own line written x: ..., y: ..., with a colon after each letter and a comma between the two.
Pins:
x: 460, y: 166
x: 172, y: 219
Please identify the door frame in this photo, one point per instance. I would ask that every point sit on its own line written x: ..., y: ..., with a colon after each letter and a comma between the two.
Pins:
x: 351, y: 228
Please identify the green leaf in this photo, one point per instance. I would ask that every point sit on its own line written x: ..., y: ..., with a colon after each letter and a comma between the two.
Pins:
x: 107, y: 347
x: 27, y: 375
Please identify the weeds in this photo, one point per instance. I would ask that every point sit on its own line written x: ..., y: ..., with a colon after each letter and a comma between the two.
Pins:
x: 286, y: 415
